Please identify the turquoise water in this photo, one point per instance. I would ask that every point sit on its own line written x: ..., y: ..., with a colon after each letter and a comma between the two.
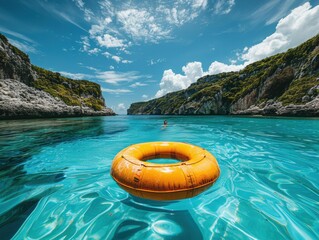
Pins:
x: 55, y: 179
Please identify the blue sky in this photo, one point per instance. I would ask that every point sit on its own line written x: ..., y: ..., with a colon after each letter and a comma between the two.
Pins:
x: 138, y: 50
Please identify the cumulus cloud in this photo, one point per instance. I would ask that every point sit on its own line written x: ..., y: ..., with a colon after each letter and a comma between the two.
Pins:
x: 116, y: 58
x: 173, y: 82
x: 297, y: 27
x: 218, y: 67
x: 86, y: 46
x: 121, y: 106
x: 109, y: 41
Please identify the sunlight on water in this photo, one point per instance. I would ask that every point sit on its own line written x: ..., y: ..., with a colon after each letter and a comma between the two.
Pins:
x: 167, y: 228
x: 56, y: 183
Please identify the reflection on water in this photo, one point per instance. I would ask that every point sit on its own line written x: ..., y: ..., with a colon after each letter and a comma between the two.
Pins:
x: 56, y: 184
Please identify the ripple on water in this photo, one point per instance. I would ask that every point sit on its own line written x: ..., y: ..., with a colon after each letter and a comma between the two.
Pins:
x: 268, y: 188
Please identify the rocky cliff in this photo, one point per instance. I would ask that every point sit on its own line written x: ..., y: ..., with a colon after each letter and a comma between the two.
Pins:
x: 286, y: 84
x: 27, y: 91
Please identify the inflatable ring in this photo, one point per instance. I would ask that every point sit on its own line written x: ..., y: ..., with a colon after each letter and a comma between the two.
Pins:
x: 196, y: 171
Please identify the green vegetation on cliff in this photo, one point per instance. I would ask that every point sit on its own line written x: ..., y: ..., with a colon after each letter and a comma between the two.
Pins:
x: 72, y: 92
x: 286, y: 77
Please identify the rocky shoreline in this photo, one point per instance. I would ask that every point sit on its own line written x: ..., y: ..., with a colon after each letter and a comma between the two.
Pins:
x: 18, y: 101
x: 310, y: 109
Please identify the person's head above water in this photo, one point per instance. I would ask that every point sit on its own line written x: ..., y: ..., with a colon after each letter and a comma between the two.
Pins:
x: 165, y: 122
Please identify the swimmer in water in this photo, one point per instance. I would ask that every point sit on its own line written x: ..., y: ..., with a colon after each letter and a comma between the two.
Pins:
x: 164, y: 124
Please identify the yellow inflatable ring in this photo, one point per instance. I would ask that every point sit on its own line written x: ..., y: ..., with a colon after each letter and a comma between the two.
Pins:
x: 196, y: 171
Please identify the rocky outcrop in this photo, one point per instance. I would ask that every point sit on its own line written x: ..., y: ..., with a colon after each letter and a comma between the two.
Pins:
x: 17, y: 100
x: 14, y: 64
x: 285, y: 84
x: 277, y: 109
x: 27, y: 91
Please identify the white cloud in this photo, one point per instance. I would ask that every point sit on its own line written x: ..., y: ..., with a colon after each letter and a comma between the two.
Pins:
x: 140, y: 24
x: 138, y: 84
x: 94, y: 51
x: 121, y: 106
x: 113, y: 77
x: 88, y: 14
x: 100, y: 27
x: 116, y: 58
x: 126, y: 61
x: 109, y: 41
x: 218, y: 67
x: 223, y: 6
x: 144, y: 96
x: 107, y: 54
x: 86, y: 47
x: 79, y: 3
x: 156, y: 61
x: 173, y: 82
x: 111, y: 67
x: 92, y: 68
x: 77, y: 76
x: 115, y: 91
x: 199, y: 4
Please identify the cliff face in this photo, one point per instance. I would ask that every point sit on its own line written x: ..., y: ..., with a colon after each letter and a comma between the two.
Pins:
x: 27, y: 91
x: 14, y: 64
x: 286, y: 84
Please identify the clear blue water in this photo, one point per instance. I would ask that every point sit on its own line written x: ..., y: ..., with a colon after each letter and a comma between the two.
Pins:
x: 55, y: 179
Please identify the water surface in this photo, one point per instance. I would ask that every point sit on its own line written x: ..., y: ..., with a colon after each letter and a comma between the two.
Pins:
x: 55, y: 179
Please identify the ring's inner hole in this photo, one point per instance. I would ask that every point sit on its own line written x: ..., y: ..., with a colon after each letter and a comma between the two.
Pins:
x: 165, y: 158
